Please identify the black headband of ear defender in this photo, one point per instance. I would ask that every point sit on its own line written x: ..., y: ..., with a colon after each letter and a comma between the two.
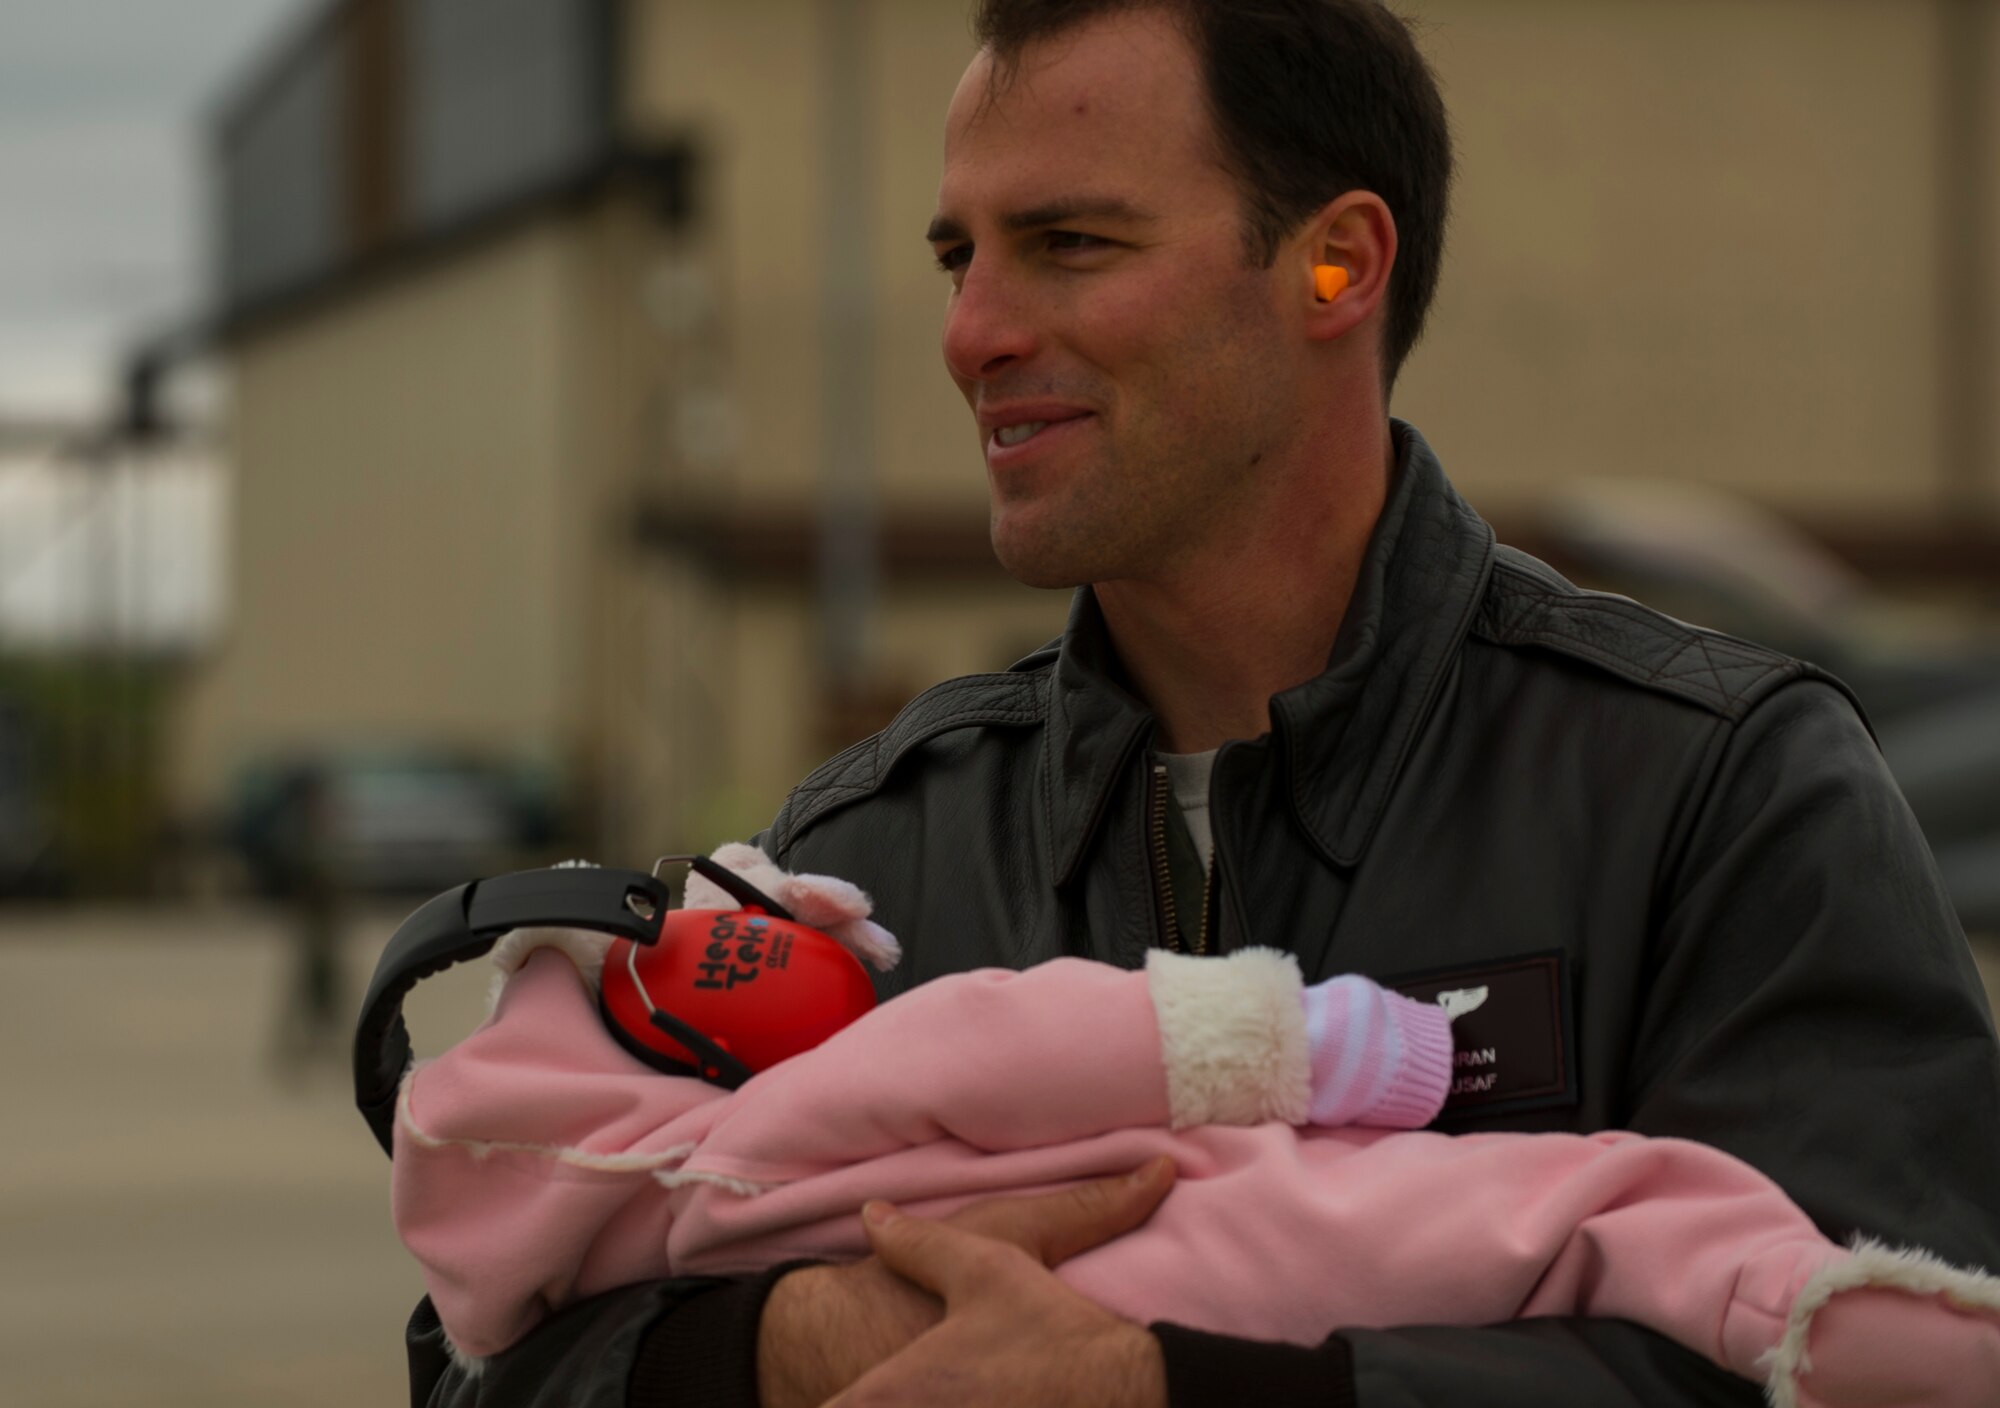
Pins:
x: 466, y: 922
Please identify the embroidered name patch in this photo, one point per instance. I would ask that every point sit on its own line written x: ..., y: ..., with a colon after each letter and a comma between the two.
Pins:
x: 1510, y: 1031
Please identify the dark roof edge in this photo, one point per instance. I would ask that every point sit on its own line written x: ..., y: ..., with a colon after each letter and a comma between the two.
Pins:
x: 659, y: 174
x: 270, y: 63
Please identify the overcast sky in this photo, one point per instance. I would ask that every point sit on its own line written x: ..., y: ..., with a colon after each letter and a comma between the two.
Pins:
x: 103, y: 216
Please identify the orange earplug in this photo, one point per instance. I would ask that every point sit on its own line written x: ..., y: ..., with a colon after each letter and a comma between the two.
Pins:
x: 1328, y: 281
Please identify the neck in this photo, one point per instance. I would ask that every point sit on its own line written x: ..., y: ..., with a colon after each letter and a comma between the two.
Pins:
x: 1247, y: 614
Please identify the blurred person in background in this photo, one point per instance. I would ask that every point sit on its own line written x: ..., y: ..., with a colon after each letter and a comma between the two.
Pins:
x: 1303, y: 700
x: 313, y: 1014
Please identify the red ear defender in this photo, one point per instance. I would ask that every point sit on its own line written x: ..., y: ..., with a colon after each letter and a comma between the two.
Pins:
x: 727, y: 993
x: 1329, y: 281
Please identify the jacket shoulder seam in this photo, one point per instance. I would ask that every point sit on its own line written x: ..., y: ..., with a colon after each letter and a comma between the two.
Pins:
x: 969, y: 701
x: 1530, y: 604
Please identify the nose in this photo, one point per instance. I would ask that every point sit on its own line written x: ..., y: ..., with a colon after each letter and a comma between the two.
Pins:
x: 986, y: 328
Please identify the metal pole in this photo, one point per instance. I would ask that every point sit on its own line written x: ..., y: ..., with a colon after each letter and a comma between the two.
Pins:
x: 847, y: 559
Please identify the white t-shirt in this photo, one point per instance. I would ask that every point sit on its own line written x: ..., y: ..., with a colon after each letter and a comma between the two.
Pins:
x: 1188, y: 775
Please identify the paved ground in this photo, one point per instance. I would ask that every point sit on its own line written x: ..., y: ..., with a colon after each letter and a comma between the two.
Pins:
x: 178, y: 1226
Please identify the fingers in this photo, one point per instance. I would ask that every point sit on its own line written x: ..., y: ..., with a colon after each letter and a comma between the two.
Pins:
x: 1092, y: 1214
x: 825, y: 1326
x: 948, y: 1261
x: 1053, y: 1227
x: 1012, y: 1333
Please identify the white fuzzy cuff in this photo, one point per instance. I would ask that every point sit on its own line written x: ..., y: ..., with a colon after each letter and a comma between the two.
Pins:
x: 1232, y: 1037
x: 1873, y: 1266
x: 583, y: 947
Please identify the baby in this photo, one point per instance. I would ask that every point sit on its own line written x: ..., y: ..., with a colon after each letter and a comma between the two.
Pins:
x: 1292, y: 1113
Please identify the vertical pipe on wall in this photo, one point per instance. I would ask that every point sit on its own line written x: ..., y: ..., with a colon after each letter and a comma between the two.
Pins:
x: 373, y: 129
x: 1969, y: 375
x: 847, y: 558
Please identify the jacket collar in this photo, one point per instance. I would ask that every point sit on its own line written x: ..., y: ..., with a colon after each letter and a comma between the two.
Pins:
x: 1344, y: 735
x: 1094, y: 725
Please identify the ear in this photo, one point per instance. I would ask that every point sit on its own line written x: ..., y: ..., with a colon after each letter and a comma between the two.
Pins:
x: 1357, y: 233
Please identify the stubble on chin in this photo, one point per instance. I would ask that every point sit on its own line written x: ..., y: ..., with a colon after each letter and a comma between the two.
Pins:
x: 1096, y: 534
x: 1044, y: 560
x: 1156, y: 489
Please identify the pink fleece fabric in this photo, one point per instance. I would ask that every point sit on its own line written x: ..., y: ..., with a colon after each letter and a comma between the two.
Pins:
x: 537, y: 1163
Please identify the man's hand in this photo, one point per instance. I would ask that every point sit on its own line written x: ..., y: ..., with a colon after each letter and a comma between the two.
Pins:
x: 827, y: 1326
x: 1011, y: 1333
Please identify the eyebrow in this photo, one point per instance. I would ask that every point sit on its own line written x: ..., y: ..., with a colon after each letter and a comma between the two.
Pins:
x: 1056, y: 212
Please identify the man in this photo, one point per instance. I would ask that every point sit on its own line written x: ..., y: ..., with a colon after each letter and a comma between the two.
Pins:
x: 1666, y: 869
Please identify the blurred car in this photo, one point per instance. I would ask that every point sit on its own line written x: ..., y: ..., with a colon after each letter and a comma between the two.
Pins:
x: 1932, y: 694
x: 388, y: 821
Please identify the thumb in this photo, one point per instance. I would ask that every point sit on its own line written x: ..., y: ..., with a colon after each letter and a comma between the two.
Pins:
x: 1053, y: 1227
x: 945, y: 1260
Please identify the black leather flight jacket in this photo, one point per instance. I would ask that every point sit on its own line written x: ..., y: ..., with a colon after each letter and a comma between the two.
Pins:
x: 1675, y: 860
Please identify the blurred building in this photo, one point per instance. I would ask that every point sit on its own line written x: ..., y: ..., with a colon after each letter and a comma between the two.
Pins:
x: 110, y: 590
x: 528, y: 349
x: 587, y: 406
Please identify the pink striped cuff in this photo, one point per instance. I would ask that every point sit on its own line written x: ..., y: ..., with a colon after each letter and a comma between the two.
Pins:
x: 1377, y: 1058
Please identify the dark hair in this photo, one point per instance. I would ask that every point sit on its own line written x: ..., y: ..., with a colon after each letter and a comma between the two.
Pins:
x: 1310, y: 99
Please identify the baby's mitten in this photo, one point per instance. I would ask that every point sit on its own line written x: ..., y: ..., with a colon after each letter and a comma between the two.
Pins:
x: 1878, y: 1328
x: 1378, y: 1058
x: 837, y: 908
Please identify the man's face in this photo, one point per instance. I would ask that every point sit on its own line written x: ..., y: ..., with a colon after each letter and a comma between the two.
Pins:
x: 1102, y: 307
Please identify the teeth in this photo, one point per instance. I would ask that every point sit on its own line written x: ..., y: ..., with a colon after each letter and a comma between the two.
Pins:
x: 1015, y: 434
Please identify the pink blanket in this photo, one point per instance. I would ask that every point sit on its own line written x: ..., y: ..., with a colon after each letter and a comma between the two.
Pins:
x: 537, y: 1163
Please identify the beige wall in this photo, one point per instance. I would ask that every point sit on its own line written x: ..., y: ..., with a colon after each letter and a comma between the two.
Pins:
x: 1693, y: 239
x: 746, y: 78
x: 740, y: 78
x: 930, y: 449
x: 398, y: 525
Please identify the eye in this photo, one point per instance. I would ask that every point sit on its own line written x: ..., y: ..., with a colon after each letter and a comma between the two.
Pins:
x: 954, y: 259
x: 1072, y: 241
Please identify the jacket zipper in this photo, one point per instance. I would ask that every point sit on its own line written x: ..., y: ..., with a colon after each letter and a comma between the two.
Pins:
x: 1207, y: 903
x: 1165, y: 908
x: 1163, y: 876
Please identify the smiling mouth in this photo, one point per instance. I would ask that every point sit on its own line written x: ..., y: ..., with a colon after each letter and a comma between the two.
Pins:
x: 1011, y: 437
x: 1015, y: 434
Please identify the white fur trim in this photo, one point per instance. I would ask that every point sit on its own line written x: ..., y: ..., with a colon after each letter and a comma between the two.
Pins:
x: 555, y: 1153
x: 743, y: 1187
x: 1232, y: 1036
x: 1873, y: 1266
x: 583, y: 947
